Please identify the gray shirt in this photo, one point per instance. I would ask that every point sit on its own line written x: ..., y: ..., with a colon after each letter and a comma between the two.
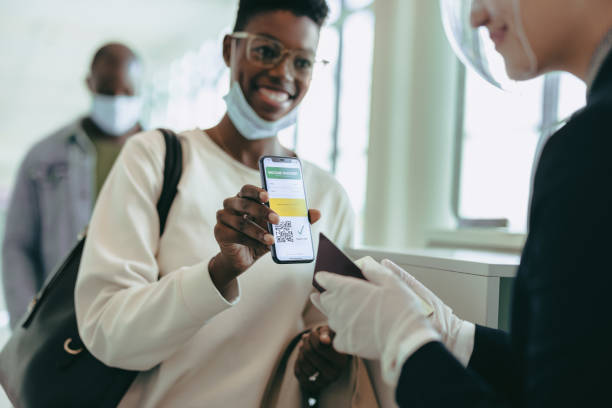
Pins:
x: 51, y: 203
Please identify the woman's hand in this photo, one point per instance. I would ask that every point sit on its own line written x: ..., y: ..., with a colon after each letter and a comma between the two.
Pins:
x: 318, y: 364
x: 242, y: 233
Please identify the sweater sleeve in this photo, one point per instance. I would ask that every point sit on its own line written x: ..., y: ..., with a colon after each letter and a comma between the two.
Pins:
x: 127, y: 316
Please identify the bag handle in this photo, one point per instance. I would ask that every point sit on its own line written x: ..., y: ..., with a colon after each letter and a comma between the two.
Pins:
x: 173, y: 167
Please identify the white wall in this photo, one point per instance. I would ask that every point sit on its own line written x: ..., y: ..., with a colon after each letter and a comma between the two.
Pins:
x: 46, y: 48
x: 412, y: 125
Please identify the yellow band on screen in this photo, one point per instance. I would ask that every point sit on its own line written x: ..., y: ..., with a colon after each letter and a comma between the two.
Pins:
x: 289, y: 207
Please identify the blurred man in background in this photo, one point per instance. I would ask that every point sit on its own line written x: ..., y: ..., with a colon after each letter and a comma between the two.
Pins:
x: 60, y: 177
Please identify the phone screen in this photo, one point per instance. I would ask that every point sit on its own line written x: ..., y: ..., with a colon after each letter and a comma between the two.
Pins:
x: 282, y: 178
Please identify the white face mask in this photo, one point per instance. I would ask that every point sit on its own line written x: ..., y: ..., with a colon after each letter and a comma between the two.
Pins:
x: 116, y: 115
x: 248, y: 122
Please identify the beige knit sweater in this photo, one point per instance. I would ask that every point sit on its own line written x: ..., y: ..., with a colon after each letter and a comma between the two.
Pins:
x: 195, y: 347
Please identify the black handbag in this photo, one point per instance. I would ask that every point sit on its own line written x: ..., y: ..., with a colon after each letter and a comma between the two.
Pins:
x: 44, y: 363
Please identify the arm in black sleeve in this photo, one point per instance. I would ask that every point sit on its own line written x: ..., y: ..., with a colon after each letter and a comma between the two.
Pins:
x: 432, y: 377
x: 493, y: 360
x: 490, y: 379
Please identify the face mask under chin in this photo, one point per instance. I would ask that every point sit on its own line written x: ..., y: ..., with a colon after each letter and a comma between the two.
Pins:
x: 250, y: 125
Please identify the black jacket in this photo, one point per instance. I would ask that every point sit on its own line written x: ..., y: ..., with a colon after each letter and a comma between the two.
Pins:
x: 559, y: 350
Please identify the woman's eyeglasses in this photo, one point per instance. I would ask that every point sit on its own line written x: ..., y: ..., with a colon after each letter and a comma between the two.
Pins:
x: 267, y: 52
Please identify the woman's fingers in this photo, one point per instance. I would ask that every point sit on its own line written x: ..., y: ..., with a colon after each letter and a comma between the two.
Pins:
x: 247, y: 214
x: 241, y: 230
x: 325, y: 350
x: 314, y: 215
x: 312, y: 358
x: 325, y: 334
x: 254, y: 193
x: 304, y: 374
x: 255, y: 210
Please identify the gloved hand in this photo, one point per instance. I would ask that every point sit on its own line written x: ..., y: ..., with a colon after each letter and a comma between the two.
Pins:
x: 457, y: 334
x: 381, y: 318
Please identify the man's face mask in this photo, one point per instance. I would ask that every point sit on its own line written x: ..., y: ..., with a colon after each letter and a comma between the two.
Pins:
x: 116, y: 115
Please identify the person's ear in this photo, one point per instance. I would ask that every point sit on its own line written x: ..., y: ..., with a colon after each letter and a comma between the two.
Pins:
x: 90, y: 84
x: 227, y: 50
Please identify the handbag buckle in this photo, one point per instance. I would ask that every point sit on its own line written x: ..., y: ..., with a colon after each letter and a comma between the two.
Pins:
x: 68, y: 350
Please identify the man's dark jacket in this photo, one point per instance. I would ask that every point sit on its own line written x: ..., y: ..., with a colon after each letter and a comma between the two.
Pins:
x: 559, y: 350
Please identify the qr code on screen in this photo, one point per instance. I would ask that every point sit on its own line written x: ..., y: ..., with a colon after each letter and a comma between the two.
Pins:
x: 284, y: 232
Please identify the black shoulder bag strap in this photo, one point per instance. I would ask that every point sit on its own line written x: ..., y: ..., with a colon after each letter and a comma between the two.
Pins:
x: 173, y: 167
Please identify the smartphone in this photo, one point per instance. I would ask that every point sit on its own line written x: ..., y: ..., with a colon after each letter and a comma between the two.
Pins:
x: 282, y: 178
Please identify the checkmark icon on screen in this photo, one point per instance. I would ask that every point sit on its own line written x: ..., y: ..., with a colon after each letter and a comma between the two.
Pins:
x: 301, y: 230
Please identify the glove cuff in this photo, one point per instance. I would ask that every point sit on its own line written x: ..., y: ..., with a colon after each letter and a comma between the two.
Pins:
x: 463, y: 344
x: 400, y: 348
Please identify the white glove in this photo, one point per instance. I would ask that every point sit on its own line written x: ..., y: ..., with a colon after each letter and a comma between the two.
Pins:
x: 380, y: 319
x: 457, y: 335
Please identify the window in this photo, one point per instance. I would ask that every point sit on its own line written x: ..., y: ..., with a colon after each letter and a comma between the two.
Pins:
x: 500, y: 138
x: 333, y: 124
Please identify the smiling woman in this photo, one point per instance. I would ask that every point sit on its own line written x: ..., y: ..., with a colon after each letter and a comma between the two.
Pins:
x: 333, y: 123
x: 187, y: 297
